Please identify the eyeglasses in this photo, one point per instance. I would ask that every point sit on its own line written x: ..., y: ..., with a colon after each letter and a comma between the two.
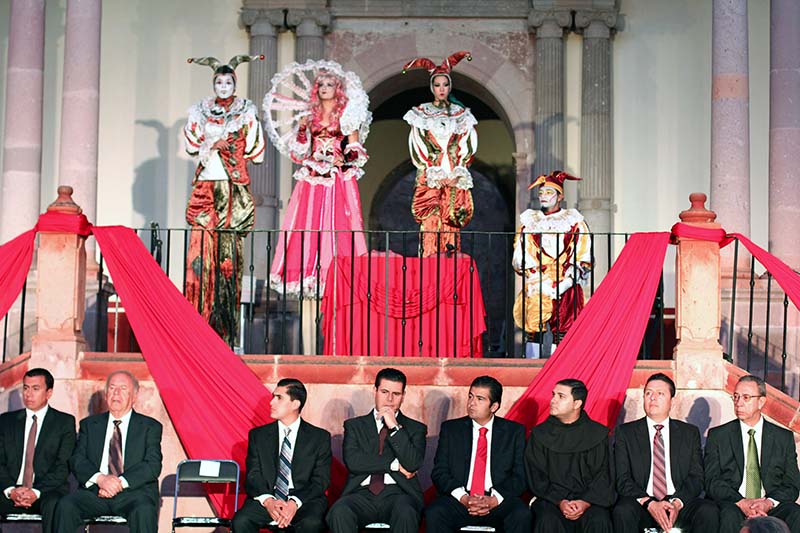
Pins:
x: 744, y: 397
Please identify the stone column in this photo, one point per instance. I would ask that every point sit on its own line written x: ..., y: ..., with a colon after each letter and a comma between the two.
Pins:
x: 523, y: 172
x: 22, y: 145
x: 548, y: 122
x: 730, y: 123
x: 263, y: 26
x: 81, y: 106
x: 784, y: 131
x: 698, y: 354
x: 310, y: 26
x: 596, y: 191
x: 60, y: 300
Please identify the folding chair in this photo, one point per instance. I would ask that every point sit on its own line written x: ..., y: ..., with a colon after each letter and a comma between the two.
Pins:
x: 21, y: 518
x: 205, y: 471
x: 105, y: 520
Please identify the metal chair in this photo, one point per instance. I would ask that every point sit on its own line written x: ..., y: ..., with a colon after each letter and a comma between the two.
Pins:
x: 104, y: 520
x: 196, y: 471
x: 376, y: 526
x: 21, y: 518
x: 478, y: 529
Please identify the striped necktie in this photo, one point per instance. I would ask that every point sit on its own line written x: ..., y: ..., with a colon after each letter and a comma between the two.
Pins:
x: 659, y: 470
x: 115, y: 459
x: 284, y: 468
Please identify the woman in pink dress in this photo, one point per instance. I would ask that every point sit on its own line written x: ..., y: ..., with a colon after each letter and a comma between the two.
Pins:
x: 323, y: 218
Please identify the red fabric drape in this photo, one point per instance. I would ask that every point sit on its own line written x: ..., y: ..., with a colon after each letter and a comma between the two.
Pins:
x: 788, y: 279
x: 601, y: 347
x: 15, y: 262
x: 452, y: 310
x: 212, y: 397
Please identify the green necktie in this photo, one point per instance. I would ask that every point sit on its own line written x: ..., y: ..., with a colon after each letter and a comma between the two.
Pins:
x: 752, y: 485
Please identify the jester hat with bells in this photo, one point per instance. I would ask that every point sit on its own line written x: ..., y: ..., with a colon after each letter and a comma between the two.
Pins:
x: 555, y: 180
x: 224, y: 68
x: 442, y: 70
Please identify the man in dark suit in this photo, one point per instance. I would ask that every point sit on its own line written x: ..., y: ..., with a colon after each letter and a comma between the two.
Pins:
x: 751, y: 464
x: 478, y: 469
x: 382, y: 451
x: 117, y: 462
x: 278, y: 488
x: 44, y: 438
x: 660, y: 470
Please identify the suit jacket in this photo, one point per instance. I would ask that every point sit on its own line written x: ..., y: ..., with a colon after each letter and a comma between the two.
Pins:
x: 451, y: 465
x: 360, y: 452
x: 633, y: 459
x: 142, y: 461
x: 724, y: 463
x: 50, y: 459
x: 311, y: 461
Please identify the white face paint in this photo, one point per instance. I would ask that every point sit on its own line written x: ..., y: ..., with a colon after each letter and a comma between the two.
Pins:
x: 548, y: 197
x: 224, y: 86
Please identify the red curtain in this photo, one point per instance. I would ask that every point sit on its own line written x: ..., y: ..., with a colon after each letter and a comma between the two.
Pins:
x: 601, y: 347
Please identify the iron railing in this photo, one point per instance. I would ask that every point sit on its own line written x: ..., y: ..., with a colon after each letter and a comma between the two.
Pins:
x: 275, y: 321
x: 760, y: 329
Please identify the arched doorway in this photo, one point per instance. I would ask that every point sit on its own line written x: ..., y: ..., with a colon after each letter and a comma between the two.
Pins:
x: 387, y: 188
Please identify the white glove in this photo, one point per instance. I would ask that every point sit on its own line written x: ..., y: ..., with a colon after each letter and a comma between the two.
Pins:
x: 549, y: 291
x: 565, y: 285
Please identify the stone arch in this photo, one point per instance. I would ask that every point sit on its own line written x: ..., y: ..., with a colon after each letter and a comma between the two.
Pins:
x: 509, y: 83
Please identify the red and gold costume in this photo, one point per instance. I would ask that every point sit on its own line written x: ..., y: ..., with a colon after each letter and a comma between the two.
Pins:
x: 442, y: 144
x: 220, y: 210
x: 553, y: 253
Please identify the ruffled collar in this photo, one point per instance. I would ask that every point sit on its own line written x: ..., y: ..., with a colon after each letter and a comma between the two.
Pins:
x: 452, y: 118
x: 536, y: 220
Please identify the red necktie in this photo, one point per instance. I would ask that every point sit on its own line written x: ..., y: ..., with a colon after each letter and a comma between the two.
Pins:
x: 376, y: 481
x: 659, y: 472
x: 30, y: 451
x: 478, y: 487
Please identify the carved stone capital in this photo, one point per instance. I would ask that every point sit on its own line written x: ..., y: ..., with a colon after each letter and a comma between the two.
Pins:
x: 309, y: 22
x: 598, y: 24
x: 262, y: 21
x: 549, y: 23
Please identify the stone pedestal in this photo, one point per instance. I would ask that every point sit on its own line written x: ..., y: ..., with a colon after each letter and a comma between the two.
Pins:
x: 698, y: 354
x: 60, y: 296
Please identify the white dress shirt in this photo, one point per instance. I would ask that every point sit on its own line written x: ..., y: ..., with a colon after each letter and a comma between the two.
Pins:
x: 461, y: 491
x: 651, y: 430
x: 293, y: 427
x: 40, y: 414
x: 123, y: 429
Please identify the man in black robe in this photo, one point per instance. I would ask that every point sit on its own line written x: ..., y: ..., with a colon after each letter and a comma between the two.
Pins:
x: 567, y: 464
